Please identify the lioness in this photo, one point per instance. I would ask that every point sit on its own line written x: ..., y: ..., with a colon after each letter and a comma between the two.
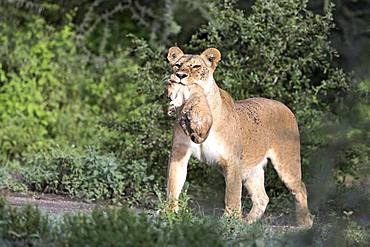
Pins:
x: 194, y: 116
x: 243, y: 136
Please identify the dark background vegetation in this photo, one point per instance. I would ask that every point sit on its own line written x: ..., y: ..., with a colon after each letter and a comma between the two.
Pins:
x: 82, y: 102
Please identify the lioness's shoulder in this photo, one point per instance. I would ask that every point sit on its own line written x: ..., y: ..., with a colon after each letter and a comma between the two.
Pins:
x: 227, y: 99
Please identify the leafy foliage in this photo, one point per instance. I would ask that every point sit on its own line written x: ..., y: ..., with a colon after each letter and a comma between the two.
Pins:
x: 53, y: 98
x: 111, y: 227
x: 89, y: 175
x: 50, y: 93
x: 26, y: 226
x: 29, y: 224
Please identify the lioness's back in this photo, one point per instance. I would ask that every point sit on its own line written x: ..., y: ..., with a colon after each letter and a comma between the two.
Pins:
x: 267, y: 124
x: 262, y: 111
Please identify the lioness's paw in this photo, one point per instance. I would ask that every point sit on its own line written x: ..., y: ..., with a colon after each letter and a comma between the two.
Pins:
x: 172, y: 207
x: 232, y: 213
x: 305, y: 221
x: 250, y: 219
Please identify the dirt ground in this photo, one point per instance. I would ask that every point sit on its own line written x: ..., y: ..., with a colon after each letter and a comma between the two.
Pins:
x: 48, y: 203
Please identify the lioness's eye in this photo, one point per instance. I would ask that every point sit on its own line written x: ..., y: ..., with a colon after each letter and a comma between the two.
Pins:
x: 197, y: 66
x: 176, y: 66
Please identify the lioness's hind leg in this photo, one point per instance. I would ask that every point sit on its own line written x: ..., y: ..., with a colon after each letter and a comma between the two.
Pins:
x: 289, y: 172
x: 298, y: 189
x: 256, y: 189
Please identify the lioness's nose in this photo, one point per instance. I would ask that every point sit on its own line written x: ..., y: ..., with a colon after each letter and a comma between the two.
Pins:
x: 181, y: 75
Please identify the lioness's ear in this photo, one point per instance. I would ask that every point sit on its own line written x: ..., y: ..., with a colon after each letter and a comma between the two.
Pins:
x: 211, y: 55
x: 174, y: 53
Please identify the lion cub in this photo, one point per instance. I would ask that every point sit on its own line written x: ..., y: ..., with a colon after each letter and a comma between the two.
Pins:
x: 194, y: 116
x: 178, y: 94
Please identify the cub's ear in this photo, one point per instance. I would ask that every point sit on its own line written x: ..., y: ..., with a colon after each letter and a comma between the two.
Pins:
x: 212, y: 56
x: 174, y: 53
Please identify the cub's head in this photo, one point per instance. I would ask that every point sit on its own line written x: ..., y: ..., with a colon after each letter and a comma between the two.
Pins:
x: 193, y: 69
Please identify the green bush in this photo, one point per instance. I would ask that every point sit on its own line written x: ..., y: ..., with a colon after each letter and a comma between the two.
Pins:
x: 87, y: 175
x: 111, y: 227
x: 353, y: 160
x: 27, y: 226
x: 51, y: 92
x: 341, y: 171
x: 54, y: 97
x: 27, y: 74
x: 124, y: 227
x: 356, y: 235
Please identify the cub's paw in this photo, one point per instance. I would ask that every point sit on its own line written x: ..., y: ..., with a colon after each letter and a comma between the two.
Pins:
x: 184, y: 122
x: 194, y: 137
x: 171, y: 110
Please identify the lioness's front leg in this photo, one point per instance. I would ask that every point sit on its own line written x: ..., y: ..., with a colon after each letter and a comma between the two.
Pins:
x: 233, y: 192
x: 177, y: 167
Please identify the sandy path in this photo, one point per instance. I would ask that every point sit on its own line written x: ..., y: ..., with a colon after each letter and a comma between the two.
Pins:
x: 50, y: 204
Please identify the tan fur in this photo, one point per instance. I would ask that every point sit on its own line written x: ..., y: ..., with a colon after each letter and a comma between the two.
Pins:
x: 243, y: 136
x: 194, y: 116
x: 178, y: 93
